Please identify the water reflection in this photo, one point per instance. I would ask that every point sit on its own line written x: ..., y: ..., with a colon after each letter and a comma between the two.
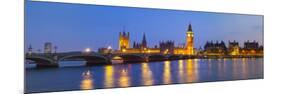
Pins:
x: 87, y: 81
x: 147, y: 76
x: 167, y: 72
x: 235, y: 68
x: 245, y: 68
x: 138, y: 74
x: 181, y: 71
x: 220, y: 68
x: 109, y: 76
x: 192, y: 70
x: 124, y: 80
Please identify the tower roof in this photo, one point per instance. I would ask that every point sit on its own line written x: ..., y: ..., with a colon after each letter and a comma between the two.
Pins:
x: 144, y: 40
x: 189, y: 27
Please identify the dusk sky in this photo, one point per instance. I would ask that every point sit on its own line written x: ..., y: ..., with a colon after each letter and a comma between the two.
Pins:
x: 73, y: 27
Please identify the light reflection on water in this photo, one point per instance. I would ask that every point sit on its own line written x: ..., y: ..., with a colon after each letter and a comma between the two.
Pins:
x: 87, y: 81
x: 167, y: 72
x: 192, y: 72
x: 147, y: 76
x: 138, y: 74
x: 124, y: 79
x: 109, y: 75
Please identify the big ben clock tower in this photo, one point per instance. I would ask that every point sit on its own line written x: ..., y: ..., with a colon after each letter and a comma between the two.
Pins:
x: 189, y: 41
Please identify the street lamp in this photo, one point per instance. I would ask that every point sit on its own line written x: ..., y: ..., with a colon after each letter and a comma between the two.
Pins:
x: 109, y: 47
x: 87, y: 50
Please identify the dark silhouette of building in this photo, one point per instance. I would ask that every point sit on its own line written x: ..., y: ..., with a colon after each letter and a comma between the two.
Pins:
x: 167, y: 47
x: 217, y: 48
x: 48, y: 47
x: 251, y: 45
x: 252, y: 48
x: 142, y: 45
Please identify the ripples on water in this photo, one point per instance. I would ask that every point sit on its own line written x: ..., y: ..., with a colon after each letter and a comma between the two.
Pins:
x: 73, y: 75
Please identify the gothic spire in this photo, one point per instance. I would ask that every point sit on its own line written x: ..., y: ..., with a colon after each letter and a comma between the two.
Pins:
x: 189, y: 27
x: 144, y: 43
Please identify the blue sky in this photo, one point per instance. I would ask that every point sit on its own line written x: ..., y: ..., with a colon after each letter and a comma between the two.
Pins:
x: 73, y: 27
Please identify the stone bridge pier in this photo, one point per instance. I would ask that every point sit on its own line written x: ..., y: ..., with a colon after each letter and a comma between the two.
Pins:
x: 43, y: 61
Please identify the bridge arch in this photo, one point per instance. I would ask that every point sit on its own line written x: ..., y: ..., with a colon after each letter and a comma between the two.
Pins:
x: 157, y: 57
x: 175, y: 57
x: 43, y: 62
x: 129, y: 58
x: 39, y: 60
x: 91, y: 59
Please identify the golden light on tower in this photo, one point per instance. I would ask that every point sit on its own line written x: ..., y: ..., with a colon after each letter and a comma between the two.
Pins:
x: 189, y: 41
x: 124, y: 40
x: 123, y: 50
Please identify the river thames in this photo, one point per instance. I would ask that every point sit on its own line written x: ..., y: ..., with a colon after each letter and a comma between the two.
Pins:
x: 72, y: 75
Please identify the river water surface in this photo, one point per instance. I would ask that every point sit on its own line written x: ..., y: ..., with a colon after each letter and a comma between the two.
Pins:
x: 72, y: 75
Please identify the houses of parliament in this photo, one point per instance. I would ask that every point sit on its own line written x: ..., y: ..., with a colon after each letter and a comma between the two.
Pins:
x: 164, y: 47
x: 168, y: 47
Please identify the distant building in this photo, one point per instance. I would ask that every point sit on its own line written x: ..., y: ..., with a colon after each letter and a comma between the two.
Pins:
x: 141, y: 45
x: 251, y: 45
x: 252, y: 48
x: 29, y: 50
x: 124, y: 40
x: 48, y: 47
x: 144, y: 43
x: 217, y: 48
x: 188, y: 47
x: 233, y: 48
x: 105, y: 50
x: 200, y: 51
x: 167, y: 47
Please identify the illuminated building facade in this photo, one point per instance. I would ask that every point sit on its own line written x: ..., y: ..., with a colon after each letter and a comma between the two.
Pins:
x: 252, y: 48
x: 165, y: 47
x: 189, y: 41
x: 142, y: 47
x: 124, y: 40
x: 233, y: 48
x: 168, y: 47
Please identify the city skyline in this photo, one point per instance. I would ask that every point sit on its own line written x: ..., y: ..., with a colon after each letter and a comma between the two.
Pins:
x: 90, y: 26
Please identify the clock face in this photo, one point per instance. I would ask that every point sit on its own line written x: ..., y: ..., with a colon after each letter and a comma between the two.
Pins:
x: 189, y: 35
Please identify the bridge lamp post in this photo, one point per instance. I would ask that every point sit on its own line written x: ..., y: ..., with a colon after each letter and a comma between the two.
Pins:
x: 109, y: 48
x: 87, y: 50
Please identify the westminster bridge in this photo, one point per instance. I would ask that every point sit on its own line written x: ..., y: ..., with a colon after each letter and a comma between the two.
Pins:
x: 53, y: 59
